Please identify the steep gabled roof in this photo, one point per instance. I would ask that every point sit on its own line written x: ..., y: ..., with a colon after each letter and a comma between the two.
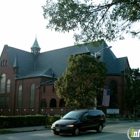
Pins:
x: 25, y: 59
x: 37, y: 72
x: 55, y: 61
x: 49, y: 82
x: 123, y: 63
x: 82, y: 50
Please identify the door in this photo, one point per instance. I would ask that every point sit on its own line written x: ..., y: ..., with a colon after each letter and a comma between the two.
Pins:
x: 86, y: 122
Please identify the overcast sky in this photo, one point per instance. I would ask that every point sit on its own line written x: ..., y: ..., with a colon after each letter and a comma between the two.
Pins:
x: 22, y: 20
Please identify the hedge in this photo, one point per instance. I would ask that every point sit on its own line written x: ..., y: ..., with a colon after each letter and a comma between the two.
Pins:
x: 23, y: 121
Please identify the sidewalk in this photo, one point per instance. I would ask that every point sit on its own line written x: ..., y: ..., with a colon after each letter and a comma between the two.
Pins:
x: 26, y: 129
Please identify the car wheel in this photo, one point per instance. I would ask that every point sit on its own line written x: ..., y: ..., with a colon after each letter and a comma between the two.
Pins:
x: 56, y: 133
x: 100, y: 128
x: 76, y: 132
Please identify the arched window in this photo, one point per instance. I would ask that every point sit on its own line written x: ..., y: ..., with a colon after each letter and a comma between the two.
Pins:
x: 32, y: 96
x: 19, y: 97
x: 1, y: 63
x: 8, y: 85
x: 112, y: 85
x: 7, y: 102
x: 3, y: 80
x: 62, y: 103
x: 1, y: 102
x: 53, y: 103
x: 43, y: 103
x: 5, y: 62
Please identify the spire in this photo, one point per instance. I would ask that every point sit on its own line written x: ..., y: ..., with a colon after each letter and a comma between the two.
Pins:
x: 35, y: 48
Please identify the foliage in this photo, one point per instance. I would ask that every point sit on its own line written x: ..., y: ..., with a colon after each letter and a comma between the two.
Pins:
x: 132, y: 90
x: 2, y: 131
x: 108, y: 20
x: 52, y: 119
x: 82, y: 81
x: 22, y: 121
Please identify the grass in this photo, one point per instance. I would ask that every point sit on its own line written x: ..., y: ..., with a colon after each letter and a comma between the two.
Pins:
x: 3, y: 131
x: 7, y: 131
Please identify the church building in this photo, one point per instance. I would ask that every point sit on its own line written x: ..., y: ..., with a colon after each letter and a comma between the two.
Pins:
x: 27, y: 78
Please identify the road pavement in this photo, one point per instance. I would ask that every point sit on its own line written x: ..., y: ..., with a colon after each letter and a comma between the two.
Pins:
x: 38, y: 128
x: 114, y: 131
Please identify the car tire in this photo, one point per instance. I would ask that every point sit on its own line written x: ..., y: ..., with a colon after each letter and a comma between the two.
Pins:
x: 76, y: 132
x: 55, y: 133
x: 100, y: 128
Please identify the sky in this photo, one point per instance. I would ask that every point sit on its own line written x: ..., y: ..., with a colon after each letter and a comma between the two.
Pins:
x: 22, y: 20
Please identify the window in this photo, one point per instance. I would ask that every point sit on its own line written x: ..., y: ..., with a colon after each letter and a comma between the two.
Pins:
x: 53, y: 88
x: 53, y: 103
x: 44, y: 89
x: 112, y: 85
x: 20, y: 96
x: 3, y: 80
x: 86, y: 116
x: 5, y: 62
x: 8, y: 85
x: 7, y: 102
x: 62, y: 103
x: 32, y: 96
x: 1, y: 102
x: 43, y: 103
x: 1, y: 63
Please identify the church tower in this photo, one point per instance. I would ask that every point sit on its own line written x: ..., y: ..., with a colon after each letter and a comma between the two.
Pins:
x: 35, y: 49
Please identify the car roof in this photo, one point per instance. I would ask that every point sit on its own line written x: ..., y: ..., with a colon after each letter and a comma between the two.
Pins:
x: 85, y: 110
x: 80, y: 110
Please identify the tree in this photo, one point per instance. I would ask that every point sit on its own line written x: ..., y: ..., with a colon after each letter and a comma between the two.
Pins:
x: 109, y: 20
x: 82, y: 80
x: 132, y: 91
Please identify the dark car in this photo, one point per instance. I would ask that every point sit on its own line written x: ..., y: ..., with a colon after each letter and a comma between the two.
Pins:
x: 77, y: 121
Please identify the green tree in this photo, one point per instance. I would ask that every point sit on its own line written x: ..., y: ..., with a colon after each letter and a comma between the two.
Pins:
x: 132, y: 91
x: 109, y: 20
x: 82, y: 81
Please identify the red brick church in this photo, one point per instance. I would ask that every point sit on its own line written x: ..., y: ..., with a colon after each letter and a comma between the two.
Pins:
x: 27, y: 78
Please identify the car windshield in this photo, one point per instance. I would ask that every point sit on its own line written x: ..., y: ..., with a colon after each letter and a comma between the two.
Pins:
x: 73, y: 115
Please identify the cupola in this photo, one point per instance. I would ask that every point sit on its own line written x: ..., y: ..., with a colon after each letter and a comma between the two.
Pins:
x: 35, y: 49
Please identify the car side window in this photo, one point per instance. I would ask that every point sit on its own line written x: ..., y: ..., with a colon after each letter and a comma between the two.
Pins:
x: 86, y: 116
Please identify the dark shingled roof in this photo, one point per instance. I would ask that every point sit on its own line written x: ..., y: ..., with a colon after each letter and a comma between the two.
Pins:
x: 49, y: 82
x: 55, y: 61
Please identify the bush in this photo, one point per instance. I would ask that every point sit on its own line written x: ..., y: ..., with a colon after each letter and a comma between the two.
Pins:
x: 21, y: 121
x: 29, y: 120
x: 52, y: 119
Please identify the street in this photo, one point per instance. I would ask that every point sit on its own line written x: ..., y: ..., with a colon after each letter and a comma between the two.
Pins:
x: 110, y: 132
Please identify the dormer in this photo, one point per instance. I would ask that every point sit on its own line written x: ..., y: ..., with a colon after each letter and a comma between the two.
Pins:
x: 16, y: 66
x: 35, y: 49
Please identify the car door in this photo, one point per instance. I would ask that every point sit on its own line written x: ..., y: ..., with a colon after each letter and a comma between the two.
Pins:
x: 86, y: 121
x: 94, y: 119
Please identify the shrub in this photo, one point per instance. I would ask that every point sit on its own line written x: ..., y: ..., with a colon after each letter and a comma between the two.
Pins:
x: 52, y: 119
x: 20, y: 121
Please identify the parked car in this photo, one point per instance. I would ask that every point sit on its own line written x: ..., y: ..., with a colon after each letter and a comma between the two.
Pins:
x: 77, y: 121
